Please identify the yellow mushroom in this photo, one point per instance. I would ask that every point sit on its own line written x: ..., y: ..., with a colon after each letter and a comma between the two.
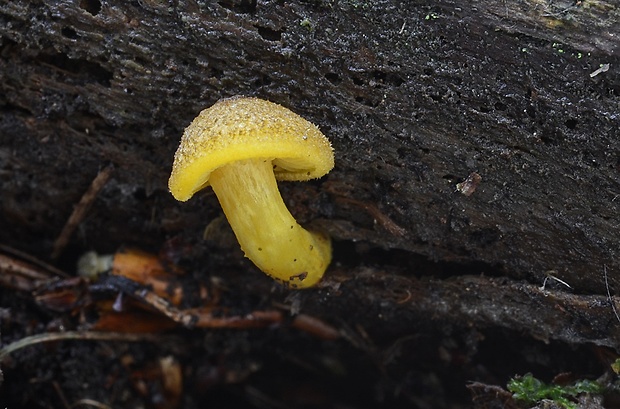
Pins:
x: 240, y: 146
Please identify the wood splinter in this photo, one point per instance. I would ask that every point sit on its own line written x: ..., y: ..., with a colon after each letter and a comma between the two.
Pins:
x: 80, y: 210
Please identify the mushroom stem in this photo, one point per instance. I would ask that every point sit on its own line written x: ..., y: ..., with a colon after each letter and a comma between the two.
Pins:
x: 266, y: 230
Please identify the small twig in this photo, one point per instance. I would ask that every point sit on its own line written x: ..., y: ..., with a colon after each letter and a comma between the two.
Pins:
x: 611, y: 301
x: 143, y: 294
x: 61, y: 395
x: 163, y: 306
x: 402, y: 29
x: 90, y: 402
x: 73, y: 335
x: 255, y: 319
x: 602, y: 68
x: 383, y: 220
x: 316, y: 327
x: 80, y: 210
x: 20, y: 275
x: 548, y: 276
x: 31, y: 259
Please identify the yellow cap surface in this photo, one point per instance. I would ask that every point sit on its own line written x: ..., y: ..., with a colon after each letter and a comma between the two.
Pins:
x: 246, y: 128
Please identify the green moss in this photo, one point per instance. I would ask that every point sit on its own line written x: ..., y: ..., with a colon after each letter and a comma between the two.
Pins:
x: 531, y: 390
x: 615, y: 366
x: 307, y: 24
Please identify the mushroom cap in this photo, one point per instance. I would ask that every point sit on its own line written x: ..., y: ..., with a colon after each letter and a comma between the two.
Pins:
x: 241, y: 128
